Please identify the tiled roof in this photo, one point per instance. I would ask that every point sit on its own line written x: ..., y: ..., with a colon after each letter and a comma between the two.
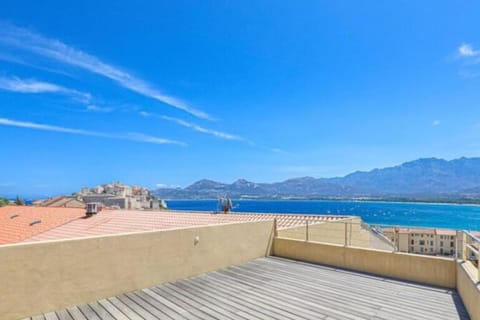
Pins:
x: 122, y: 221
x: 15, y: 221
x: 448, y: 232
x: 62, y: 201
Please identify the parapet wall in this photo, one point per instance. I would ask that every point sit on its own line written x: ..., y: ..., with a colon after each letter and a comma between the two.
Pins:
x: 45, y: 276
x: 436, y: 271
x: 469, y: 289
x: 337, y: 232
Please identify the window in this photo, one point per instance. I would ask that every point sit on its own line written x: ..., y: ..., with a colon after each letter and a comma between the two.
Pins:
x: 411, y: 249
x: 441, y: 237
x: 421, y: 235
x: 451, y: 251
x: 431, y: 243
x: 451, y: 237
x: 412, y: 242
x: 452, y: 244
x: 431, y: 249
x: 421, y: 249
x: 422, y: 242
x: 441, y: 244
x: 441, y: 250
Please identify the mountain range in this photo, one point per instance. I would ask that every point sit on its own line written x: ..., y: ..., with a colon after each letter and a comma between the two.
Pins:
x: 423, y: 180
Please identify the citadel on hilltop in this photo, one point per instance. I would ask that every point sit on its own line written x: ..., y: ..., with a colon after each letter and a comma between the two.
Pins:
x: 111, y: 195
x: 122, y: 196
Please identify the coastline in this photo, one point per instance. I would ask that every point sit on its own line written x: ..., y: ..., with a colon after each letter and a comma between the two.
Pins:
x: 394, y: 201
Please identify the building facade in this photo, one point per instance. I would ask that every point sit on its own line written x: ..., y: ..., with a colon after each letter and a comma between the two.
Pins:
x: 423, y: 241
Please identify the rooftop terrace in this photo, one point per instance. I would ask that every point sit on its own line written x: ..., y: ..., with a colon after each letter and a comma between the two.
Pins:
x: 206, y: 266
x: 276, y: 288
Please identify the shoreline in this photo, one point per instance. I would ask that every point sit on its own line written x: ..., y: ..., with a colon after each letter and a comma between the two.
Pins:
x: 438, y: 203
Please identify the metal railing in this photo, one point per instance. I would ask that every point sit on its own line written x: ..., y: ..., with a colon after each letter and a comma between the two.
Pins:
x: 342, y: 232
x: 471, y: 250
x: 349, y: 232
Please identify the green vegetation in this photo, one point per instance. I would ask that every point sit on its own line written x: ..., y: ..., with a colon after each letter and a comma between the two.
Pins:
x: 4, y: 201
x: 19, y: 201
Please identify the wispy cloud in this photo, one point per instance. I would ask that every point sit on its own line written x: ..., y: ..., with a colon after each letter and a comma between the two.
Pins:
x: 167, y: 186
x: 139, y: 137
x: 195, y: 127
x: 54, y: 49
x: 436, y: 123
x: 33, y: 86
x: 96, y: 108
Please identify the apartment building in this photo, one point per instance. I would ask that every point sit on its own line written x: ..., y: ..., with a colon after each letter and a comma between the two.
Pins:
x: 423, y: 240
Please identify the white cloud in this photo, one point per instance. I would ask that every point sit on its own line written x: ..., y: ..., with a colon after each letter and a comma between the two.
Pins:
x: 33, y: 86
x: 54, y: 49
x: 218, y: 134
x: 167, y: 186
x: 466, y: 50
x: 95, y: 108
x: 436, y: 123
x: 146, y: 138
x: 139, y: 137
x: 195, y: 127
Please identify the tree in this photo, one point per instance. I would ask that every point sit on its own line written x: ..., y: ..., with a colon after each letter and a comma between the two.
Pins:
x: 19, y: 201
x: 4, y: 201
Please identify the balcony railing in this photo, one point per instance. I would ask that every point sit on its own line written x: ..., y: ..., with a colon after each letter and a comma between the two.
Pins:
x: 353, y: 232
x: 470, y: 250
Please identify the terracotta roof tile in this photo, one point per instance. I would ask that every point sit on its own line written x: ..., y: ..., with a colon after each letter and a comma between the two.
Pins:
x: 15, y: 221
x: 122, y: 221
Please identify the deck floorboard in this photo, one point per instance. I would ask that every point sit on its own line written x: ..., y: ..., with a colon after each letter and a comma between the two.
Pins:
x: 276, y: 288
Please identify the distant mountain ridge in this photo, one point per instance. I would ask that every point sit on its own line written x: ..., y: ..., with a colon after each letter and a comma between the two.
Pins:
x: 422, y: 179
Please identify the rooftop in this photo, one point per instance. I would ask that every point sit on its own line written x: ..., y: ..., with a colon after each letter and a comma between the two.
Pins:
x: 450, y: 232
x: 276, y: 288
x: 120, y: 221
x: 18, y: 223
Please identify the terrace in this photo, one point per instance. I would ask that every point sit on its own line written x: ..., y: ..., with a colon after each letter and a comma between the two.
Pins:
x: 239, y: 270
x: 276, y: 288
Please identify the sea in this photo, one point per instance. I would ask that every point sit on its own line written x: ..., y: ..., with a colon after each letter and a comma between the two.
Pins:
x: 433, y: 215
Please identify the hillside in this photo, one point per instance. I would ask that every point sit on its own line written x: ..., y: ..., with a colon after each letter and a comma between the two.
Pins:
x: 422, y: 179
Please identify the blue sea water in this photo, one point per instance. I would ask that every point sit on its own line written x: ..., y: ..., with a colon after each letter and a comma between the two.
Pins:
x: 376, y: 213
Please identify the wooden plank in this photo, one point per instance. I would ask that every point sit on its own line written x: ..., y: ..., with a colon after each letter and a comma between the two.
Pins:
x: 145, y: 305
x: 177, y: 301
x: 179, y: 312
x: 76, y: 313
x: 63, y: 315
x: 88, y: 312
x: 117, y: 314
x: 51, y: 316
x: 209, y: 307
x: 244, y: 297
x: 159, y: 304
x: 135, y: 307
x: 125, y: 310
x: 101, y: 311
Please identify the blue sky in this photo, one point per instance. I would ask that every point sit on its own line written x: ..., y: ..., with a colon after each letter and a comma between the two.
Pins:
x: 166, y: 93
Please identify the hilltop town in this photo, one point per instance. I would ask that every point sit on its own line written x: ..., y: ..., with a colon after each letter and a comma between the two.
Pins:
x: 111, y: 195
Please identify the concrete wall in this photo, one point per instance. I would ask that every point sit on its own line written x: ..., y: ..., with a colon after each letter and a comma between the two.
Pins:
x: 46, y: 276
x: 469, y: 289
x: 437, y: 271
x: 331, y: 232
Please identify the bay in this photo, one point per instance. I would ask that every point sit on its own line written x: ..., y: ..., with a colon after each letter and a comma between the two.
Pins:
x: 451, y: 216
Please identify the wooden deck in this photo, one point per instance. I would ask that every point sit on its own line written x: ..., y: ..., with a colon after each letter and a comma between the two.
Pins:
x: 275, y: 288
